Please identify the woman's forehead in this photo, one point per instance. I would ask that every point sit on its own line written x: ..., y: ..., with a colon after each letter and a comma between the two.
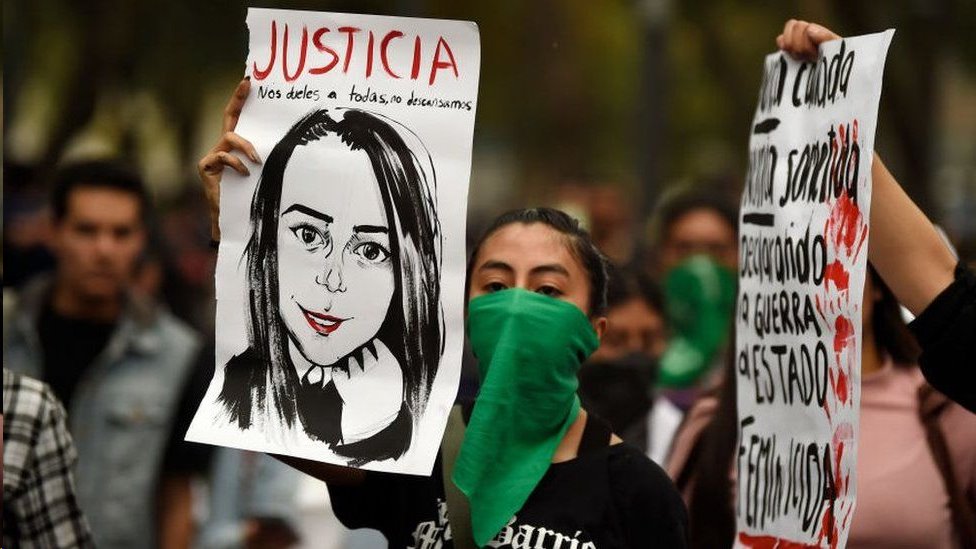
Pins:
x: 328, y: 176
x: 525, y: 246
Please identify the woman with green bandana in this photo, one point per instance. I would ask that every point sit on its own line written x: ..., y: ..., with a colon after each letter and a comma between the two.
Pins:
x: 525, y: 466
x: 535, y: 469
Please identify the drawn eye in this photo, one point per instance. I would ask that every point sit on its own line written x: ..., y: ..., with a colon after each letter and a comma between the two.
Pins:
x: 493, y: 287
x: 309, y: 237
x: 550, y: 291
x: 372, y: 252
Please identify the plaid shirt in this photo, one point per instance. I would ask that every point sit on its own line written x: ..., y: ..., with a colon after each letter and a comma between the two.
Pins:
x: 39, y: 504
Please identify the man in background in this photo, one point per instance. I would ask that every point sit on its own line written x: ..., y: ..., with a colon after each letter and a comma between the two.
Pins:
x: 117, y: 360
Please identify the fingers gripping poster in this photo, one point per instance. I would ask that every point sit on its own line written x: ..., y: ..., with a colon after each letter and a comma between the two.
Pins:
x: 340, y: 277
x: 803, y: 259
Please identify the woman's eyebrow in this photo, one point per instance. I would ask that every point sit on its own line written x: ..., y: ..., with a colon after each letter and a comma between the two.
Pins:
x: 370, y: 229
x: 301, y: 208
x: 495, y: 264
x: 554, y: 268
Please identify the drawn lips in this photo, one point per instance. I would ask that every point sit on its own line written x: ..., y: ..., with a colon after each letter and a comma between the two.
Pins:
x: 323, y: 324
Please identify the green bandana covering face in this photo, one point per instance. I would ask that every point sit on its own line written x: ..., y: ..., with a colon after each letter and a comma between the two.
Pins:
x: 700, y: 297
x: 529, y: 348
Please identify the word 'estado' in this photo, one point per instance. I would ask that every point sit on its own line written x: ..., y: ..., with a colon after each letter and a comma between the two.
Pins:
x: 778, y: 483
x: 789, y: 374
x: 442, y: 57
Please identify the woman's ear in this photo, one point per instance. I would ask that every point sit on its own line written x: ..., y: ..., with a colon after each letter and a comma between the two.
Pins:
x: 599, y: 326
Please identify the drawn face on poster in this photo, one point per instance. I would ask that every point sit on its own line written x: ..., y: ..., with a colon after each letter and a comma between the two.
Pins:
x: 343, y: 271
x: 347, y: 313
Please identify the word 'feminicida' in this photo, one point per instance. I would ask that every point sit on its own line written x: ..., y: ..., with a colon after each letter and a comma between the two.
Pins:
x: 798, y: 482
x: 378, y: 58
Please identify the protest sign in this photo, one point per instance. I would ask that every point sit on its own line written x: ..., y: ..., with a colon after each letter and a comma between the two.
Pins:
x: 802, y: 264
x: 340, y: 277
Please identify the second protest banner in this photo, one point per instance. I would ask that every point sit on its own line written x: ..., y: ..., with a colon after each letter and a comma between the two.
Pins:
x: 803, y: 259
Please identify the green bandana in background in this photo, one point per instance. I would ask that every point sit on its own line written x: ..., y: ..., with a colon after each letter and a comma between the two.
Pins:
x: 529, y: 348
x: 700, y: 299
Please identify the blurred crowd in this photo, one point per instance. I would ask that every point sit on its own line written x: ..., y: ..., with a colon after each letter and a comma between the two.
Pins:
x: 92, y: 232
x: 109, y: 304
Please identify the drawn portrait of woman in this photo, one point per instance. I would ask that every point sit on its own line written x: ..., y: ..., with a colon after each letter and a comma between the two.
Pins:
x: 343, y: 307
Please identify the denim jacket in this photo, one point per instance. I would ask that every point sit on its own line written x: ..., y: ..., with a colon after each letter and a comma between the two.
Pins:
x: 121, y: 412
x: 247, y: 485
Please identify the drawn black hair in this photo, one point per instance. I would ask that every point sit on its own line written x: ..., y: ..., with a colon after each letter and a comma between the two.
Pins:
x: 578, y: 241
x: 413, y: 328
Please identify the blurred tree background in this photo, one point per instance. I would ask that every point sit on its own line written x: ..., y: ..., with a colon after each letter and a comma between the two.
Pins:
x: 635, y: 96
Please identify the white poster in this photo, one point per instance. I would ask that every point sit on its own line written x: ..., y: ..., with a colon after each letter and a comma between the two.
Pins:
x: 803, y: 258
x: 340, y: 277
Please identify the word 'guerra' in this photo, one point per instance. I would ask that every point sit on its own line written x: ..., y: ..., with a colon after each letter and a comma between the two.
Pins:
x: 322, y: 58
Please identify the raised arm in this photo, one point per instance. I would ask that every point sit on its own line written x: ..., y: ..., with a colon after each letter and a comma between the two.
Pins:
x: 916, y: 264
x: 905, y: 249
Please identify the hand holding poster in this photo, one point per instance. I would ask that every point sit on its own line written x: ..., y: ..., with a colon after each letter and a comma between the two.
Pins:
x: 803, y: 258
x: 340, y: 277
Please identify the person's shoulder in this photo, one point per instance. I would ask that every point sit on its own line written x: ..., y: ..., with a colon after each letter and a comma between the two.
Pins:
x: 702, y: 410
x: 627, y: 463
x: 21, y: 309
x: 637, y: 480
x: 26, y: 397
x: 32, y: 416
x: 959, y: 426
x: 695, y: 421
x: 961, y: 419
x: 161, y: 334
x: 174, y: 330
x: 897, y: 382
x: 648, y: 501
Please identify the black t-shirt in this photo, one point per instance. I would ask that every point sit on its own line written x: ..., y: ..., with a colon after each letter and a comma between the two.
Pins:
x: 69, y: 346
x: 607, y: 497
